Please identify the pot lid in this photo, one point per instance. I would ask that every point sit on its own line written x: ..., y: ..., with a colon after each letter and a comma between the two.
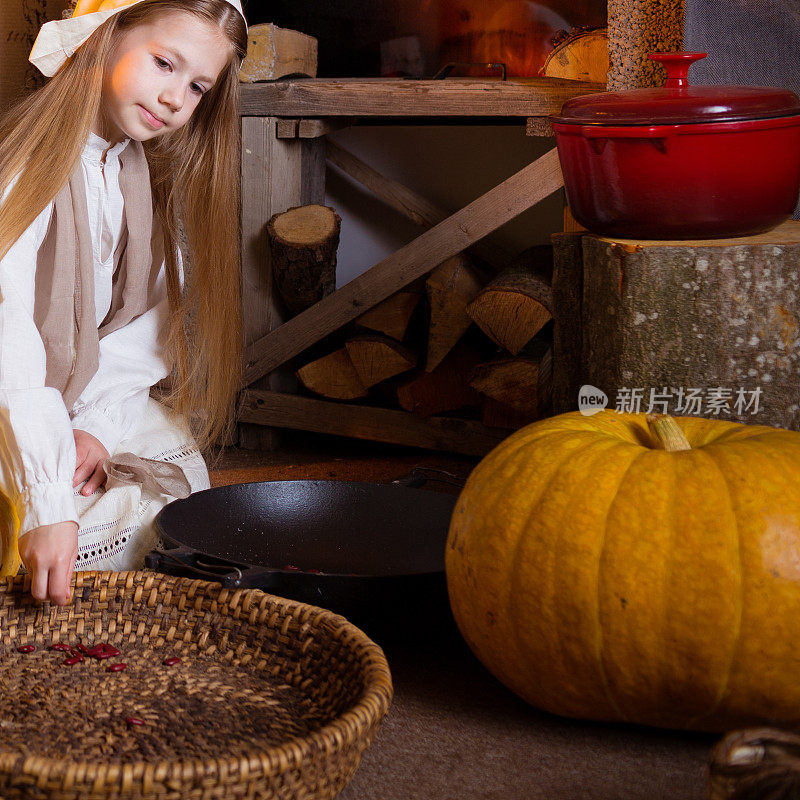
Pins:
x: 679, y: 102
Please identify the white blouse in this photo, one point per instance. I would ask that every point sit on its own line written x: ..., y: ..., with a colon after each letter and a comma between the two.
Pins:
x: 37, y: 473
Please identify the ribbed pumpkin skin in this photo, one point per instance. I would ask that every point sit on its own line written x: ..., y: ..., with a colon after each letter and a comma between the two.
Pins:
x: 603, y: 579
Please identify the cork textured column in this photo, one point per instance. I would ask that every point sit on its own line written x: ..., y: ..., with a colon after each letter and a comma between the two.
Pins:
x: 636, y: 28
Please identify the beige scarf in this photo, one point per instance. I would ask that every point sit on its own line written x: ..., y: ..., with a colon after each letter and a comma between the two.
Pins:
x: 64, y: 310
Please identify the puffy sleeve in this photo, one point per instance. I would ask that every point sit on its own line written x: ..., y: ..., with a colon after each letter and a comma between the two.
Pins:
x: 132, y: 360
x: 38, y: 448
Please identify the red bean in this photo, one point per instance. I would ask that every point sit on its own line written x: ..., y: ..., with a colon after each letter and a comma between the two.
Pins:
x: 26, y: 648
x: 134, y: 721
x: 117, y: 667
x: 73, y: 660
x: 102, y: 651
x: 292, y: 567
x: 62, y: 646
x: 171, y: 661
x: 82, y: 648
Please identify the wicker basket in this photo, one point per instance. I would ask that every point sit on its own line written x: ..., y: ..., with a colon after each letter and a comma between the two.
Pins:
x: 269, y: 699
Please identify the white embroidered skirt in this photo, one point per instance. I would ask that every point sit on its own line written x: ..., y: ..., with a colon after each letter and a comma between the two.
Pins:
x: 116, y: 523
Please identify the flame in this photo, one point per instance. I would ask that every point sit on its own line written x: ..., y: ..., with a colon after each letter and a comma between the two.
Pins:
x: 516, y: 32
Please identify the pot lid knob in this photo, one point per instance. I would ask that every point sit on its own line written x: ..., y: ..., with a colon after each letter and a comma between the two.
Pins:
x: 677, y: 67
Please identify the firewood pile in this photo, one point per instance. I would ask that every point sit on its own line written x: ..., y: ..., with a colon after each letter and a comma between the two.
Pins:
x: 461, y: 341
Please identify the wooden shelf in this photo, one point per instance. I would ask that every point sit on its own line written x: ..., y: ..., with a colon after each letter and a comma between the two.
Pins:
x: 392, y: 97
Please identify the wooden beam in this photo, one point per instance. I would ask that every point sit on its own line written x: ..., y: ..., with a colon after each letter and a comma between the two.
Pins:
x: 365, y: 422
x: 276, y: 174
x: 480, y: 218
x: 410, y: 204
x: 314, y: 128
x: 392, y: 97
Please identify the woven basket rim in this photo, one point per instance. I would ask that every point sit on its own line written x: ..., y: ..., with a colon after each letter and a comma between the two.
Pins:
x: 373, y: 703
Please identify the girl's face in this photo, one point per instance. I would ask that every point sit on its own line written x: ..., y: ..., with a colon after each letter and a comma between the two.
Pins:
x: 157, y: 74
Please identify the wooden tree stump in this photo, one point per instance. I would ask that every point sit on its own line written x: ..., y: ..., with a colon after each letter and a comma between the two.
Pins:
x: 707, y: 328
x: 303, y: 241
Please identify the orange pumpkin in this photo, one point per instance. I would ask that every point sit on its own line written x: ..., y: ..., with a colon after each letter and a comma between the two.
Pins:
x: 601, y: 576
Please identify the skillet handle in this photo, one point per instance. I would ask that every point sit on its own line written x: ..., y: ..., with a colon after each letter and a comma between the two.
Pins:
x: 228, y: 573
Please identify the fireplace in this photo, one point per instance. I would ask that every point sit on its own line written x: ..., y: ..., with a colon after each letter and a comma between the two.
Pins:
x: 372, y: 38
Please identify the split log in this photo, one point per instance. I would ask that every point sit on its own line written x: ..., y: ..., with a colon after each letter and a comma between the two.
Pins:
x: 444, y: 389
x: 377, y: 358
x: 392, y: 316
x: 333, y: 376
x: 303, y: 243
x: 451, y: 287
x: 521, y: 382
x: 513, y: 308
x: 274, y: 52
x: 582, y: 56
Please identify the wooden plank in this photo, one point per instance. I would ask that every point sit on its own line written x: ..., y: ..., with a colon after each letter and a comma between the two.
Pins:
x: 365, y: 422
x: 311, y: 128
x: 276, y: 174
x: 314, y: 128
x: 484, y: 215
x: 287, y: 128
x: 312, y: 171
x: 391, y: 97
x: 408, y: 202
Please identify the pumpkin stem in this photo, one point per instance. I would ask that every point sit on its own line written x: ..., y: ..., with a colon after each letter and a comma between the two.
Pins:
x: 667, y: 433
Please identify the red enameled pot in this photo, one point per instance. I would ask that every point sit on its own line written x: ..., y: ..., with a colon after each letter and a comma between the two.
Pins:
x: 681, y: 162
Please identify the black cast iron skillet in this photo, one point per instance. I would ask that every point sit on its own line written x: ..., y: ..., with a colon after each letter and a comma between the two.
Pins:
x: 366, y: 550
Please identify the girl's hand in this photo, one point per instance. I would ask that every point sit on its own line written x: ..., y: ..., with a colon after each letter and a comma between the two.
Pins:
x: 91, y: 455
x: 49, y: 553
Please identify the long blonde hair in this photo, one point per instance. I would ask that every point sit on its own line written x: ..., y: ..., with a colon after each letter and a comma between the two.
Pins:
x: 194, y: 175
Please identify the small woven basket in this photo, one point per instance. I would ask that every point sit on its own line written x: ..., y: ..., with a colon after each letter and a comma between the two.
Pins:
x: 224, y: 694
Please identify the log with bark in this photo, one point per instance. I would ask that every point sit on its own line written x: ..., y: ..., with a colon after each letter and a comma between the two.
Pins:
x: 513, y: 307
x: 581, y: 56
x: 303, y: 241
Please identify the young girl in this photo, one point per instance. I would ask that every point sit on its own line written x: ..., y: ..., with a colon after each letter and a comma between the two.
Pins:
x: 130, y: 150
